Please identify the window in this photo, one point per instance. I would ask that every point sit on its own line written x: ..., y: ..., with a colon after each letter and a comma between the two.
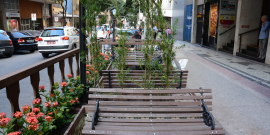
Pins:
x: 12, y: 5
x: 52, y: 33
x: 19, y: 34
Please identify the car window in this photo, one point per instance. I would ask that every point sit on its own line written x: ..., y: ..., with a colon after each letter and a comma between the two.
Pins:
x: 3, y: 32
x: 3, y: 37
x: 19, y: 34
x: 52, y: 33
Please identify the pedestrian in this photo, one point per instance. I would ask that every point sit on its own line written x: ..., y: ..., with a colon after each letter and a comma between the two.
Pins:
x: 169, y: 33
x: 263, y: 38
x: 156, y: 31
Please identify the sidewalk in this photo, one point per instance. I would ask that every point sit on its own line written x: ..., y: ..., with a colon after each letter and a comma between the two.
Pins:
x: 240, y: 87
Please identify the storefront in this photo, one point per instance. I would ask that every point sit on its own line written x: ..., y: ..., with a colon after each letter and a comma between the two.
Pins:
x: 25, y: 12
x: 58, y: 20
x: 13, y: 21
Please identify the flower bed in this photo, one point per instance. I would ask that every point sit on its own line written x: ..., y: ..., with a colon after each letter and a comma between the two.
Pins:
x: 46, y: 116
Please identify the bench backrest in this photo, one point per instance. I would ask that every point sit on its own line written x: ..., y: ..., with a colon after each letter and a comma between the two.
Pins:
x: 109, y: 79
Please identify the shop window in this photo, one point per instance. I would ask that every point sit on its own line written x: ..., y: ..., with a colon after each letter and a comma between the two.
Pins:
x: 12, y: 25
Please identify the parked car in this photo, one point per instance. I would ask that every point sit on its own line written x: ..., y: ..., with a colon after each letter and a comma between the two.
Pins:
x: 6, y: 45
x: 22, y: 41
x: 128, y: 32
x: 35, y: 33
x: 57, y: 40
x: 137, y: 34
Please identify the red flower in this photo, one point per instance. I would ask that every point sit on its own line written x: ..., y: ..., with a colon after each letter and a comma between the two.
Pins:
x: 18, y: 114
x: 31, y: 114
x: 77, y: 99
x: 15, y: 133
x: 56, y: 111
x: 110, y: 54
x: 64, y: 84
x: 26, y: 108
x: 35, y: 110
x: 87, y: 66
x: 41, y: 114
x: 55, y: 104
x: 95, y: 71
x: 33, y: 127
x: 106, y: 59
x: 37, y: 101
x: 48, y: 104
x: 72, y: 101
x: 69, y: 75
x: 71, y: 90
x: 32, y: 120
x: 50, y: 113
x: 4, y: 122
x: 42, y: 88
x: 91, y: 56
x: 48, y: 118
x: 87, y: 72
x: 52, y: 95
x: 2, y: 115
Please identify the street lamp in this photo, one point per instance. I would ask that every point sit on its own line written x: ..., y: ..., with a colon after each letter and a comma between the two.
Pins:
x: 114, y: 13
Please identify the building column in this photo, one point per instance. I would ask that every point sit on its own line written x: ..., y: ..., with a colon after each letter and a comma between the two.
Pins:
x: 267, y: 58
x: 237, y: 28
x: 4, y: 15
x: 194, y: 22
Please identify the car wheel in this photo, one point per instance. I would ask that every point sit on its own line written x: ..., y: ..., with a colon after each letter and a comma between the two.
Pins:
x: 45, y: 55
x: 8, y: 55
x: 74, y: 46
x: 32, y: 50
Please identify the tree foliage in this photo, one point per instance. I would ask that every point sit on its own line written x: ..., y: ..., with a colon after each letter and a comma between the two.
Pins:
x: 63, y: 4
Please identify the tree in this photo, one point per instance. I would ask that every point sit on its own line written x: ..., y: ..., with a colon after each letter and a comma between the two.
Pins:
x: 63, y: 4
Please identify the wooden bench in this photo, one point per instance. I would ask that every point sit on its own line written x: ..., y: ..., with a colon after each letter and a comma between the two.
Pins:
x: 109, y: 79
x: 153, y: 112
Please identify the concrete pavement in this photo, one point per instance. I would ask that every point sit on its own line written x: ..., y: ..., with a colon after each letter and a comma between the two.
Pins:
x: 240, y: 87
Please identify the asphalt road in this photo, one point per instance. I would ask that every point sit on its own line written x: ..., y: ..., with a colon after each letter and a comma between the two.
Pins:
x: 22, y: 60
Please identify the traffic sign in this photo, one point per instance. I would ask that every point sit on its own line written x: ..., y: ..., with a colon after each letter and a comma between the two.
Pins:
x: 56, y: 19
x: 33, y: 16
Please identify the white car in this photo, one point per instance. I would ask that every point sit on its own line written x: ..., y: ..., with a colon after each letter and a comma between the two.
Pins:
x: 57, y: 40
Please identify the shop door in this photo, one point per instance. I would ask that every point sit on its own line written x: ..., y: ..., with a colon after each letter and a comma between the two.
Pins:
x: 25, y: 24
x: 188, y: 23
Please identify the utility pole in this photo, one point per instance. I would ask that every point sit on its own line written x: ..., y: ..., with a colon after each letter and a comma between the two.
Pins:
x: 83, y: 50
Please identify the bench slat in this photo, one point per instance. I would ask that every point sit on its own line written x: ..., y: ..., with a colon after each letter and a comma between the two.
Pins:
x: 139, y: 77
x: 96, y: 96
x: 140, y: 71
x: 150, y: 115
x: 150, y: 120
x: 133, y: 91
x: 127, y: 103
x: 149, y: 128
x: 116, y: 85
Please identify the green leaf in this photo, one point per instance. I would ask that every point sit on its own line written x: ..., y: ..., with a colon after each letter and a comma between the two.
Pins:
x: 20, y: 122
x: 46, y: 129
x: 12, y: 120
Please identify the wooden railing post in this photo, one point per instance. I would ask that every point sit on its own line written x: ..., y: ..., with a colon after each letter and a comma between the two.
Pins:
x: 13, y: 92
x: 51, y: 76
x: 70, y: 61
x: 35, y: 84
x: 62, y: 69
x: 77, y: 62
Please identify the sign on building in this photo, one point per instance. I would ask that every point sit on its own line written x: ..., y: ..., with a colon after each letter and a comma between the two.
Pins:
x: 56, y: 19
x: 33, y: 16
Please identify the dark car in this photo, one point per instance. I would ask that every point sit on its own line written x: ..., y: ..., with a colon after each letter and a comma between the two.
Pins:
x: 6, y: 46
x: 22, y: 41
x: 137, y: 34
x: 35, y: 33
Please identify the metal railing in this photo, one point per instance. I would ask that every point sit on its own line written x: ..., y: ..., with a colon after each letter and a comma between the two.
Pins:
x: 240, y: 37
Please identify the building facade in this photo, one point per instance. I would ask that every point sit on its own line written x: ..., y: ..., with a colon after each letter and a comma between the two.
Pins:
x: 232, y: 26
